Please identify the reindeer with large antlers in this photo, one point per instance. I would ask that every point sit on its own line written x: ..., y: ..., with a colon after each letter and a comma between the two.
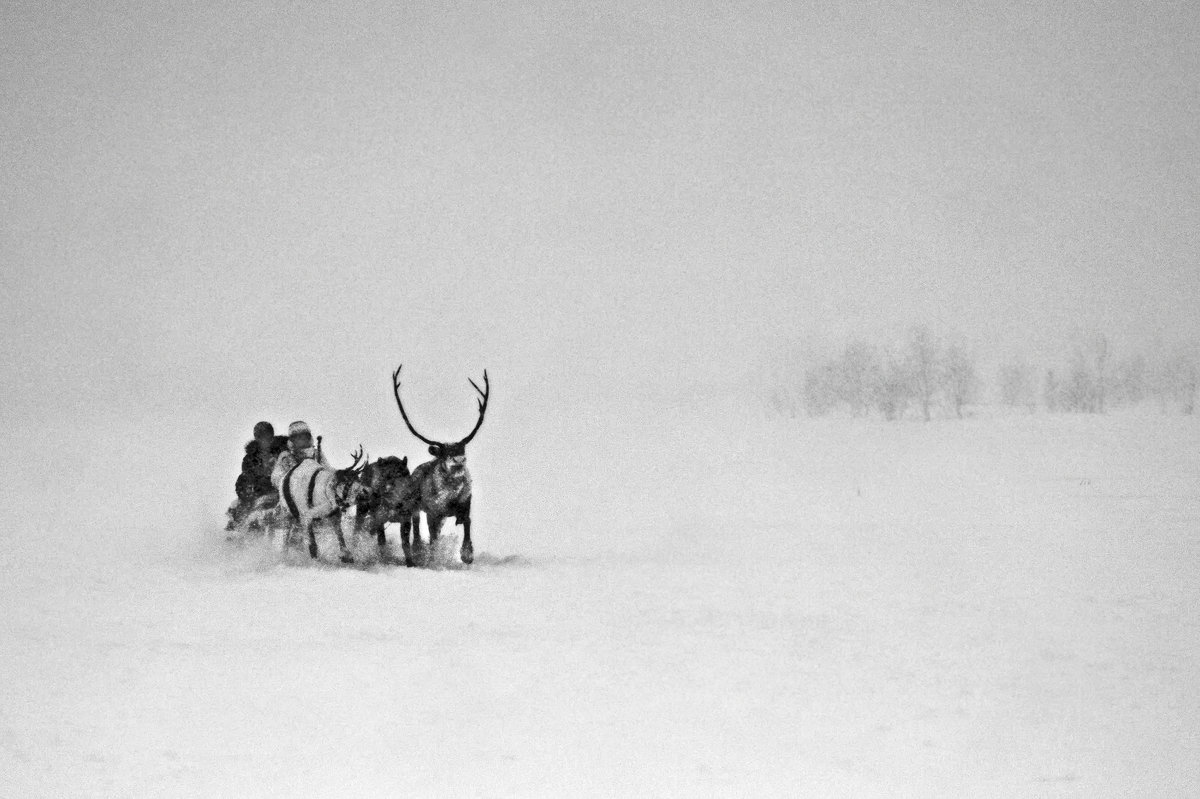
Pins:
x: 443, y: 485
x: 312, y: 492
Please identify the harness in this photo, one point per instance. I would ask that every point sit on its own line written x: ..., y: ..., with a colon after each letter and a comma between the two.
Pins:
x: 312, y: 486
x: 287, y: 492
x: 340, y: 501
x: 343, y: 502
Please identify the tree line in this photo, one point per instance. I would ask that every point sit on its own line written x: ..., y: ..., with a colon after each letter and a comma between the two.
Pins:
x: 923, y: 377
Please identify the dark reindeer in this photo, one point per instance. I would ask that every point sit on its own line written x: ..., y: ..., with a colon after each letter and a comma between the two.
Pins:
x: 311, y: 492
x: 442, y: 486
x: 389, y: 495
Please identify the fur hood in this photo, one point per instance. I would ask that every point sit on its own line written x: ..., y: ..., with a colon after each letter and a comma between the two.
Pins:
x: 278, y: 444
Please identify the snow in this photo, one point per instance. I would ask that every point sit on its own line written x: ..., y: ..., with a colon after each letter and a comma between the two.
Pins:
x: 685, y: 600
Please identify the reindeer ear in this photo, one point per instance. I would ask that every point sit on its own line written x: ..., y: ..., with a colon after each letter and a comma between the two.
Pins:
x: 404, y: 460
x: 436, y: 450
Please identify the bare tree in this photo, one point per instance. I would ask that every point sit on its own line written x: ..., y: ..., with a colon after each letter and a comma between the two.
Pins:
x: 895, y: 387
x: 1100, y: 355
x: 860, y: 374
x: 924, y: 364
x: 1161, y: 378
x: 1088, y: 378
x: 1181, y: 377
x: 1079, y: 393
x: 1190, y: 379
x: 959, y: 378
x: 822, y: 384
x: 1129, y: 380
x: 1051, y: 391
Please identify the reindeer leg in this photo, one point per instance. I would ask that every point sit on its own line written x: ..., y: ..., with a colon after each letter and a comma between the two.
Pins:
x: 380, y: 525
x: 405, y: 533
x: 418, y: 546
x: 312, y: 539
x: 381, y: 532
x: 468, y: 551
x: 288, y: 531
x: 337, y: 525
x: 434, y: 524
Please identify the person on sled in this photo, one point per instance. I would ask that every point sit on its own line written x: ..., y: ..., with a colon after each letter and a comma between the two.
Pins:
x: 299, y: 447
x: 253, y: 486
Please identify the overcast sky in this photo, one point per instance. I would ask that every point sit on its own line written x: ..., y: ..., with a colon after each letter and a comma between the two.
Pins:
x: 246, y: 203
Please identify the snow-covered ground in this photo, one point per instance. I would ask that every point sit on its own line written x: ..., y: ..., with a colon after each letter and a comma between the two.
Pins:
x: 673, y: 601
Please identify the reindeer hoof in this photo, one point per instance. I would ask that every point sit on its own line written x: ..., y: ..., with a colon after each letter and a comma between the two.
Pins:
x: 312, y: 552
x: 468, y: 556
x: 347, y: 559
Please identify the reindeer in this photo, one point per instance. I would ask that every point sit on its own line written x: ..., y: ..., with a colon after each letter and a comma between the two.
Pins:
x: 312, y: 492
x: 389, y: 495
x: 442, y: 485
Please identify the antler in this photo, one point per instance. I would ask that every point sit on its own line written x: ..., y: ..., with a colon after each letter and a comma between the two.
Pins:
x: 483, y: 401
x: 396, y: 391
x: 357, y: 455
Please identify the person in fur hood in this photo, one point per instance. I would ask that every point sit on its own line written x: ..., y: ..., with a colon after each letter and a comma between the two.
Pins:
x: 255, y: 480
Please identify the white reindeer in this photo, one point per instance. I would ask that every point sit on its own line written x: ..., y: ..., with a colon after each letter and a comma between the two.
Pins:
x: 311, y: 492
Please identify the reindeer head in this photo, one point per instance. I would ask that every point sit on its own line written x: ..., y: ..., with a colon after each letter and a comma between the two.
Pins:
x: 451, y: 457
x: 348, y: 481
x: 383, y: 477
x: 385, y: 470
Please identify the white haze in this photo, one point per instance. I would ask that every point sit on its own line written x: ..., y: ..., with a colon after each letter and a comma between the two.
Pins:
x: 262, y: 208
